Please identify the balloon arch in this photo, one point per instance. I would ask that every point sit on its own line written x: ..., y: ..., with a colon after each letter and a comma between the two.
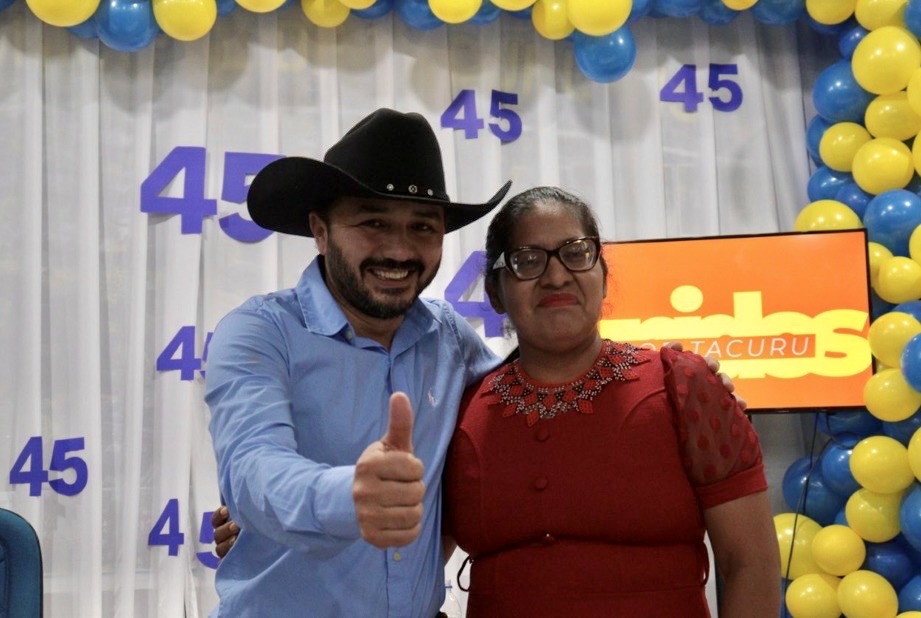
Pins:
x: 851, y: 541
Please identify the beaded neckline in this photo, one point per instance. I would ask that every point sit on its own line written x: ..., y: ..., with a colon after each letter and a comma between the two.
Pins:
x: 518, y: 395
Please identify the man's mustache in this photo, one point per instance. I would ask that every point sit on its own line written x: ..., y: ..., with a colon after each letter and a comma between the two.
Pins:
x: 410, y: 265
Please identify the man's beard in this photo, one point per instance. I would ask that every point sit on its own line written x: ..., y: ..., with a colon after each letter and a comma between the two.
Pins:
x: 353, y: 291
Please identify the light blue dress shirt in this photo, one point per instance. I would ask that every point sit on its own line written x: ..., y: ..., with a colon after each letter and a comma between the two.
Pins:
x: 295, y: 398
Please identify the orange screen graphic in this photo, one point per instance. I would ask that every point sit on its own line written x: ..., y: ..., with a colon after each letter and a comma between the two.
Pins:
x: 787, y: 315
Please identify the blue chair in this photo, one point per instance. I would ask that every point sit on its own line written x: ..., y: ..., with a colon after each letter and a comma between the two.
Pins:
x: 20, y: 568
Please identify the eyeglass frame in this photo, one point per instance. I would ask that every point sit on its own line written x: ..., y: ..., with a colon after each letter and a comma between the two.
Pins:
x: 502, y: 262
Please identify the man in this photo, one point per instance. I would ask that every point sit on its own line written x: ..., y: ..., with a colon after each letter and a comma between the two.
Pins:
x: 302, y: 383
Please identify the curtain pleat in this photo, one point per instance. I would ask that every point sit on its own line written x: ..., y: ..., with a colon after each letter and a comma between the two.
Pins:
x: 95, y: 291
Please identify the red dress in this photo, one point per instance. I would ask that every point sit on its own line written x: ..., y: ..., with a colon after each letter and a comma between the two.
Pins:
x: 586, y: 499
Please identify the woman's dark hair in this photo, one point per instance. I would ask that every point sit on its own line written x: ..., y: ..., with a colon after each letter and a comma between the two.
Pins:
x: 505, y: 220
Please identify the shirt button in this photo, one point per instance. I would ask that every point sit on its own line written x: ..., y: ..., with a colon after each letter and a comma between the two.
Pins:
x: 542, y: 434
x: 548, y: 539
x: 540, y: 483
x: 397, y: 556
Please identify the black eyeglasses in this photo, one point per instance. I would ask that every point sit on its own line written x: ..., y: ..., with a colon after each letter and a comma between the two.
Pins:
x: 577, y: 255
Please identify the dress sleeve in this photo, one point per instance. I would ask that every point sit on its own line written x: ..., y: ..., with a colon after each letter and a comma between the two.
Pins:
x: 720, y: 450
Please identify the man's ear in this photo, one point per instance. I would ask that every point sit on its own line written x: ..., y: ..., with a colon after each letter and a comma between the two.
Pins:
x: 319, y: 230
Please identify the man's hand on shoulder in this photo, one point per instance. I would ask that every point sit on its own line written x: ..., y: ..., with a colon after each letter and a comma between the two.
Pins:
x: 714, y: 364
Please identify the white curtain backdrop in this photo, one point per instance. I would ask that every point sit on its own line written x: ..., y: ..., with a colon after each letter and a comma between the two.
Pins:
x: 93, y: 290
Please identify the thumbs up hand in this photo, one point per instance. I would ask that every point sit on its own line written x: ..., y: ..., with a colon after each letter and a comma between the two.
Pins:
x: 388, y: 487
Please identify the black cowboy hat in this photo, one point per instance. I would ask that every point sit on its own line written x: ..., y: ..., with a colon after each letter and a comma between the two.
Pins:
x: 388, y: 155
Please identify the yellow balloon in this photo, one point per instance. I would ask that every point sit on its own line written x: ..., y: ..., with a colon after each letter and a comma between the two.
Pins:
x: 814, y: 595
x: 260, y: 6
x: 876, y: 254
x: 889, y: 397
x: 914, y: 244
x: 740, y: 5
x: 885, y: 59
x: 794, y: 539
x: 899, y: 280
x: 873, y: 14
x: 598, y: 17
x: 830, y: 12
x: 875, y: 517
x: 891, y: 115
x: 63, y: 13
x: 888, y: 335
x: 325, y: 13
x: 358, y: 5
x: 914, y: 454
x: 513, y: 5
x: 551, y: 19
x: 913, y: 91
x: 455, y: 11
x: 865, y: 594
x: 909, y: 614
x: 840, y: 143
x: 916, y: 154
x: 185, y: 20
x: 880, y: 464
x: 838, y: 550
x: 883, y: 164
x: 826, y: 215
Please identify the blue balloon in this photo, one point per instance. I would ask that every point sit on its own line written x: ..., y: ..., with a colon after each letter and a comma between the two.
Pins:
x: 911, y: 362
x: 379, y: 9
x: 841, y: 517
x: 889, y: 560
x: 716, y: 13
x: 524, y: 13
x: 912, y: 308
x: 677, y: 8
x: 910, y: 595
x: 848, y: 40
x: 225, y: 7
x: 828, y: 29
x: 910, y: 516
x: 850, y: 194
x: 878, y: 306
x: 805, y: 491
x: 834, y: 462
x: 825, y: 183
x: 126, y: 25
x: 639, y: 9
x: 417, y: 14
x: 912, y: 17
x: 891, y: 217
x: 487, y: 14
x: 851, y: 421
x: 814, y: 132
x: 778, y: 12
x: 903, y: 430
x: 85, y: 30
x: 837, y: 96
x: 605, y: 58
x: 5, y: 3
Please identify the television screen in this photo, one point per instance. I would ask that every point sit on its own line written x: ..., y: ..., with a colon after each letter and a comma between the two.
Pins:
x: 787, y: 315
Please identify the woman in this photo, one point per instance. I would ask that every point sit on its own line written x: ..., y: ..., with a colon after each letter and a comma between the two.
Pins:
x: 583, y: 475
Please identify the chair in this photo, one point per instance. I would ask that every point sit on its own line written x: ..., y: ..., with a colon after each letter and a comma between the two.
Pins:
x: 20, y: 568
